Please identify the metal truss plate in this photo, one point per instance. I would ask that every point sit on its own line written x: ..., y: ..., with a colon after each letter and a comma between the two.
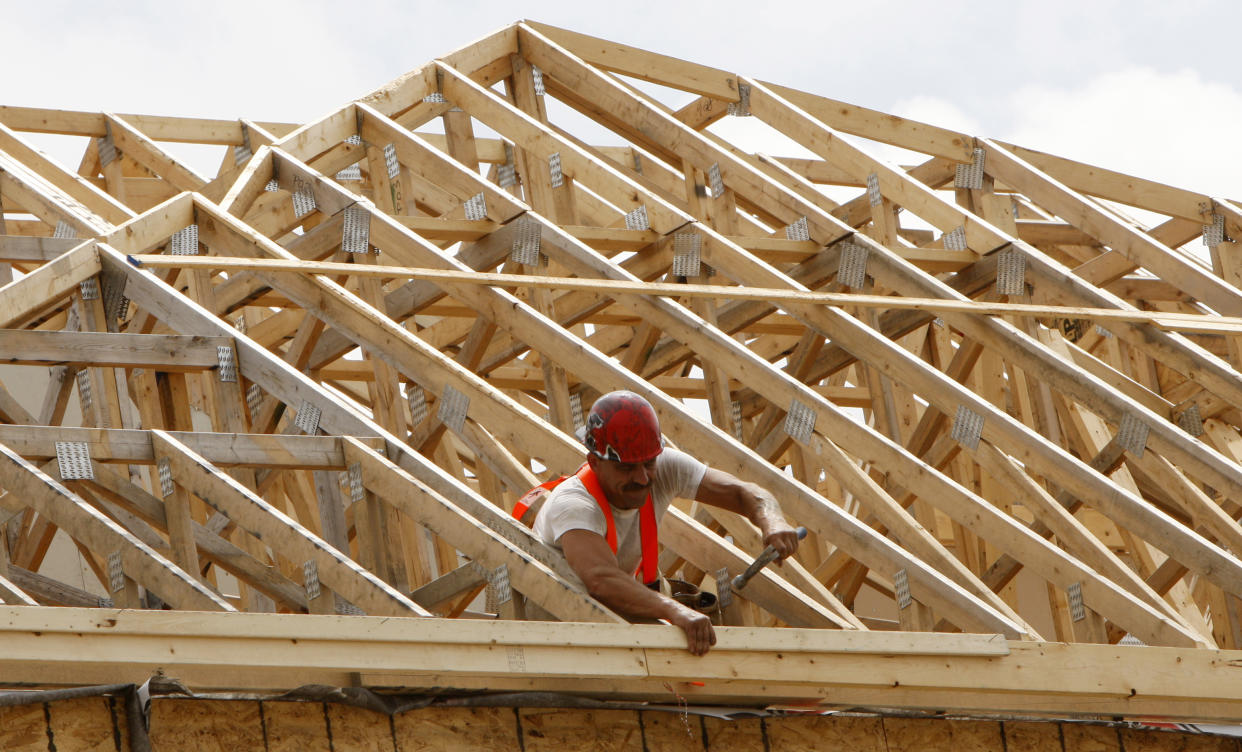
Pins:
x: 435, y: 97
x: 955, y: 239
x: 967, y: 427
x: 799, y: 421
x: 89, y: 289
x: 737, y: 420
x: 64, y: 231
x: 1078, y: 610
x: 1191, y: 420
x: 353, y: 140
x: 724, y: 587
x: 74, y: 460
x: 741, y: 108
x: 555, y: 173
x: 1102, y: 331
x: 1011, y: 272
x: 307, y: 418
x: 715, y: 181
x: 453, y: 407
x: 506, y: 175
x: 970, y: 176
x: 116, y: 572
x: 526, y: 238
x: 164, y: 470
x: 638, y: 219
x: 476, y: 207
x: 536, y: 76
x: 798, y: 230
x: 357, y: 492
x: 852, y: 268
x: 107, y: 147
x: 1132, y: 434
x: 687, y: 247
x: 391, y: 165
x: 227, y: 362
x: 901, y: 588
x: 345, y: 608
x: 84, y: 389
x: 254, y: 396
x: 241, y: 154
x: 1214, y: 233
x: 184, y: 242
x: 356, y: 230
x: 874, y: 197
x: 575, y: 410
x: 310, y: 579
x: 498, y: 583
x: 351, y: 174
x: 418, y: 403
x: 271, y: 186
x: 303, y: 199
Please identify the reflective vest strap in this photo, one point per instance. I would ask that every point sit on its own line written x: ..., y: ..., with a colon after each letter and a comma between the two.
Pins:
x: 647, y: 529
x: 519, y: 509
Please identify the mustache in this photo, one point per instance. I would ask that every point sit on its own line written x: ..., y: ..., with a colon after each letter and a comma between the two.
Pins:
x: 635, y: 486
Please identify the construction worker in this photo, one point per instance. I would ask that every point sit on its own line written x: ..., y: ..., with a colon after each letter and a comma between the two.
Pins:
x: 605, y: 518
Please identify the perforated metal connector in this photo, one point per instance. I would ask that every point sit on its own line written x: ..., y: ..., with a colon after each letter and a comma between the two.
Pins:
x: 116, y: 572
x: 184, y: 242
x: 73, y: 459
x: 874, y: 197
x: 526, y: 242
x: 307, y: 418
x: 164, y: 470
x: 1078, y: 610
x: 452, y: 408
x: 799, y: 230
x: 741, y: 108
x: 1214, y: 233
x: 357, y: 492
x: 303, y: 199
x: 506, y: 175
x: 687, y: 247
x: 1132, y: 434
x: 271, y: 186
x: 638, y: 219
x: 737, y: 419
x: 498, y: 583
x: 345, y: 608
x: 901, y: 588
x: 89, y: 288
x: 970, y: 176
x: 310, y: 579
x: 64, y: 231
x: 724, y: 588
x: 575, y: 410
x: 555, y: 173
x: 254, y: 395
x: 715, y: 181
x: 1191, y: 421
x: 1102, y: 331
x: 852, y: 268
x: 967, y: 427
x: 84, y: 389
x: 226, y: 363
x: 476, y: 206
x: 435, y: 97
x: 799, y: 421
x: 418, y: 403
x: 107, y: 147
x: 356, y: 230
x: 536, y: 76
x: 955, y: 239
x: 1011, y: 272
x: 391, y: 165
x: 353, y: 139
x: 351, y: 174
x: 242, y: 152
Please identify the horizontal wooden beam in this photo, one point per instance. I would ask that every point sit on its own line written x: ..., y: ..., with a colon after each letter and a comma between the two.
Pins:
x: 163, y: 352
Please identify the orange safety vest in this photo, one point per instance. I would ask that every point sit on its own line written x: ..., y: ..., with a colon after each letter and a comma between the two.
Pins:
x: 647, y: 529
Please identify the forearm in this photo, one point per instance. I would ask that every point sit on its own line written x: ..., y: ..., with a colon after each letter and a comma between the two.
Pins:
x: 628, y: 597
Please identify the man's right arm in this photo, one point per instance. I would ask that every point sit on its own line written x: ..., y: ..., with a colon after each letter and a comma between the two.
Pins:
x: 593, y: 561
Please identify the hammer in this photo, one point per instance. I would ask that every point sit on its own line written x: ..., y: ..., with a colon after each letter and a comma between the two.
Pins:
x: 764, y: 559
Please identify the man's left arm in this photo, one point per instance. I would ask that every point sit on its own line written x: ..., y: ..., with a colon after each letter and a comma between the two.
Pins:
x: 755, y: 503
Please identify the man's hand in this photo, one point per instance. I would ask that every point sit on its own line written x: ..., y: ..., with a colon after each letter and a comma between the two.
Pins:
x: 783, y: 538
x: 698, y: 628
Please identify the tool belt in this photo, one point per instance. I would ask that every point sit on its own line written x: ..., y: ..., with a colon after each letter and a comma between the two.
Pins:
x: 687, y: 595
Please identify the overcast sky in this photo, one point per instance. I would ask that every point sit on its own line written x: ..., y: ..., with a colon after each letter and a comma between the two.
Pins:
x: 1148, y: 87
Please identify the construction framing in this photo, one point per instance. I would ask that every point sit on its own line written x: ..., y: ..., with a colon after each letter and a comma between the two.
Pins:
x: 316, y: 382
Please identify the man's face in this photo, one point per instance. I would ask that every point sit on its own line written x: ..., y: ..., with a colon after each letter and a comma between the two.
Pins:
x: 625, y: 484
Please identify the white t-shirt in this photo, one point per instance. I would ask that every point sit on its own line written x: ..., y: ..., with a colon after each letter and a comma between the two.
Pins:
x: 571, y: 507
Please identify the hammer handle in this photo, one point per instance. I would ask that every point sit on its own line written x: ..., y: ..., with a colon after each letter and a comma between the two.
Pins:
x: 769, y: 554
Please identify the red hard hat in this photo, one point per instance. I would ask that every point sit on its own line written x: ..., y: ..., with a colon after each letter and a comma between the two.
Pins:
x: 623, y: 427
